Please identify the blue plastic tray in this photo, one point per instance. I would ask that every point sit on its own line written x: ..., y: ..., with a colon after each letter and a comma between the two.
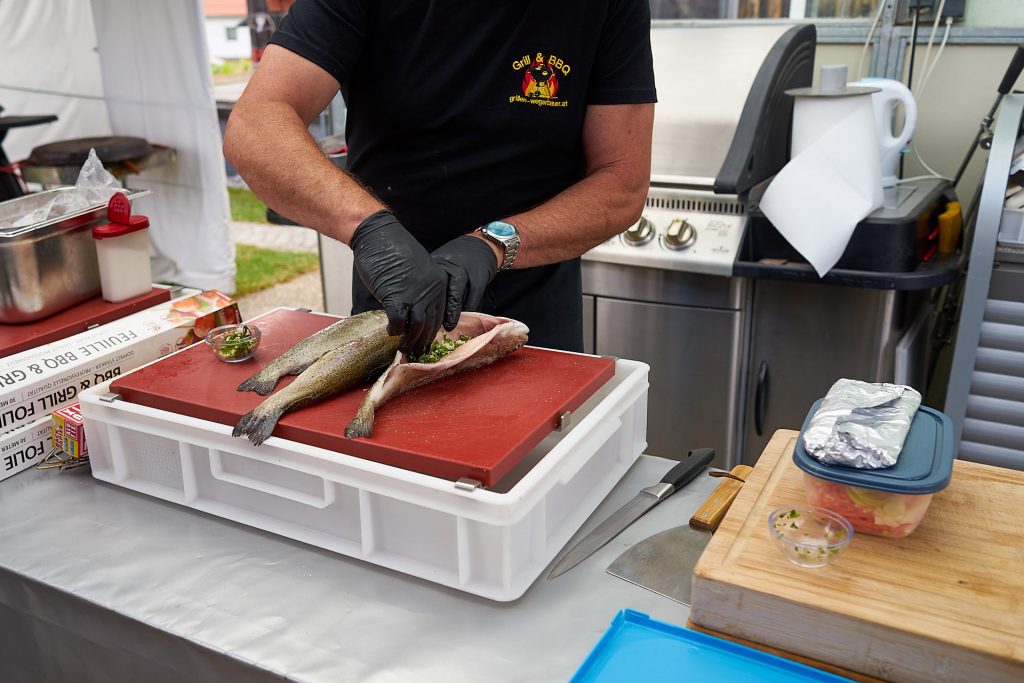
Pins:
x: 638, y: 648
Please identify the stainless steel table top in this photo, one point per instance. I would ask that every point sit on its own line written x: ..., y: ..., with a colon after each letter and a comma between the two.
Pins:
x: 101, y: 583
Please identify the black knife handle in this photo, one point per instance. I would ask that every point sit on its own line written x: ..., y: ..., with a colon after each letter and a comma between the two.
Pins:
x: 689, y: 467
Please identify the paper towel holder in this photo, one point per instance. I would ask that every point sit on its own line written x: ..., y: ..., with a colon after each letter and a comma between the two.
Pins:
x: 832, y: 84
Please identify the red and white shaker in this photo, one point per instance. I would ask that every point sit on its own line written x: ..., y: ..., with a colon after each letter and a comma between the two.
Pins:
x: 122, y: 247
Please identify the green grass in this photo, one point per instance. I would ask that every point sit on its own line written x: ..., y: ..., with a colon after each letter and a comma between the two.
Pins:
x: 246, y: 207
x: 259, y: 268
x: 231, y: 67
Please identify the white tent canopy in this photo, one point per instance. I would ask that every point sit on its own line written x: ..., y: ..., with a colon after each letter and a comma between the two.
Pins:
x: 129, y: 67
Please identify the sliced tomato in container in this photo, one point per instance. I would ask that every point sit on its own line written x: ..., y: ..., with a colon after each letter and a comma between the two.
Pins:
x: 874, y: 512
x: 889, y: 501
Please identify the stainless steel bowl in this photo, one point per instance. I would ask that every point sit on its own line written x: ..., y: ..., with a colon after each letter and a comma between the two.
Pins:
x: 49, y: 265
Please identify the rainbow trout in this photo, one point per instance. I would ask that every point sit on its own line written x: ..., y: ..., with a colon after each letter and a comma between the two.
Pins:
x: 354, y: 351
x: 486, y: 339
x: 347, y: 354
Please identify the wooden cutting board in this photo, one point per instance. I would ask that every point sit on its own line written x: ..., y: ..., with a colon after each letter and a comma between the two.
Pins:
x: 944, y: 604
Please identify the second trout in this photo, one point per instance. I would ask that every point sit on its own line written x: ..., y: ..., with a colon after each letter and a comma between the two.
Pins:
x: 350, y: 353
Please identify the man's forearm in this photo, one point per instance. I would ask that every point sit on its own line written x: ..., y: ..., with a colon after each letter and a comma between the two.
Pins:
x: 272, y: 149
x: 582, y: 216
x: 617, y: 150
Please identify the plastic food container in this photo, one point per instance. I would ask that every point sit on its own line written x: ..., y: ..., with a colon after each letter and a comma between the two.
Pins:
x: 122, y: 248
x: 234, y: 343
x: 890, y: 501
x: 809, y: 537
x: 49, y: 265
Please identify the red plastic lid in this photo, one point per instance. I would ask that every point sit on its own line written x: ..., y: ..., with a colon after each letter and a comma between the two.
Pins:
x: 122, y: 222
x: 108, y: 230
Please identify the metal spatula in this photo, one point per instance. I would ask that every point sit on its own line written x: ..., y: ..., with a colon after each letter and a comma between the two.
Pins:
x: 664, y: 562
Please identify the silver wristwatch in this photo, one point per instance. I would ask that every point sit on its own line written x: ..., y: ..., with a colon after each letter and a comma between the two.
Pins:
x: 505, y: 236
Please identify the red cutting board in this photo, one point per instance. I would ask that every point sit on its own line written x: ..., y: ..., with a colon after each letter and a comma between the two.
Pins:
x: 478, y: 424
x: 71, y: 321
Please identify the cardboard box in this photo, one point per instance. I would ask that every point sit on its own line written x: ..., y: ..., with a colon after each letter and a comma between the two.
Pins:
x: 24, y: 447
x: 68, y: 431
x: 38, y: 381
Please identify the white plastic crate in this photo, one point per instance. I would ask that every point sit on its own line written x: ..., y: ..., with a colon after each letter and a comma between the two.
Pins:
x: 490, y: 542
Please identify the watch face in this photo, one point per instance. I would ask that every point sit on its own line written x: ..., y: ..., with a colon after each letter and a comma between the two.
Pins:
x: 500, y: 229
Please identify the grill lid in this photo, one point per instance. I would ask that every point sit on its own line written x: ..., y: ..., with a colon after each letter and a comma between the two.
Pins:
x: 722, y: 117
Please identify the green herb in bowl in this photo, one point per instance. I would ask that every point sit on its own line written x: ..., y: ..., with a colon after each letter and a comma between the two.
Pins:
x: 234, y: 343
x: 809, y: 537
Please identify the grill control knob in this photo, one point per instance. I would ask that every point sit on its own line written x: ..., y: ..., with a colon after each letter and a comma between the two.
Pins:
x: 680, y: 235
x: 640, y: 234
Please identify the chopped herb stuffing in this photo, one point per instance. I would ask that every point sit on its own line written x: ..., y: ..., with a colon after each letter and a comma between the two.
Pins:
x: 440, y: 349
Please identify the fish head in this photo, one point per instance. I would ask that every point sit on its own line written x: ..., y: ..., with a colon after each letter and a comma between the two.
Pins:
x: 518, y: 333
x: 480, y: 335
x: 505, y: 335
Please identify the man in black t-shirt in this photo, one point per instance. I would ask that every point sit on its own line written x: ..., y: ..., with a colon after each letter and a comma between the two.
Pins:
x: 490, y: 145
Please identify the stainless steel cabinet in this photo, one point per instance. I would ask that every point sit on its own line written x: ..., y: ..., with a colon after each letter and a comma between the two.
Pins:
x: 806, y: 336
x: 734, y: 359
x: 692, y: 330
x: 695, y: 355
x: 588, y: 324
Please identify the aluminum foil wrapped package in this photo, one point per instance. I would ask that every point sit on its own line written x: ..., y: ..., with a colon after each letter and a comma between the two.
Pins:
x: 860, y: 424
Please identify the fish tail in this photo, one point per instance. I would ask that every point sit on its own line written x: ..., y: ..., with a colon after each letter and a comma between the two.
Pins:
x: 362, y: 424
x: 262, y: 383
x: 257, y: 425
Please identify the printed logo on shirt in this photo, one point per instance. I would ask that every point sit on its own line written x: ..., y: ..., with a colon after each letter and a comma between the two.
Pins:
x: 540, y: 81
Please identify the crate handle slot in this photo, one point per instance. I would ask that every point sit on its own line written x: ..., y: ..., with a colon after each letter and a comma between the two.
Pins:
x: 218, y: 472
x: 600, y: 433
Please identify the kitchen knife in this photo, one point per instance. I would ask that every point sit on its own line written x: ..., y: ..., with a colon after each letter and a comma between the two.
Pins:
x: 664, y: 562
x: 677, y: 477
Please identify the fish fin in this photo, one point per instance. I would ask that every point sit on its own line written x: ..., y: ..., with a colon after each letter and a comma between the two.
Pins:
x: 264, y: 381
x: 257, y: 425
x: 374, y: 374
x: 299, y: 369
x: 259, y: 383
x: 361, y: 425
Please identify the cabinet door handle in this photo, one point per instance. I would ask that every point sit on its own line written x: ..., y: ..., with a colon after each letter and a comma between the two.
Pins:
x: 761, y: 397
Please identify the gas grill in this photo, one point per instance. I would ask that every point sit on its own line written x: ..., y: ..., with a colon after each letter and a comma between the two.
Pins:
x: 663, y: 292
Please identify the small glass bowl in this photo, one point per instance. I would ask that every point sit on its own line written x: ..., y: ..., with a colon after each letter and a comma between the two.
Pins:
x: 234, y: 343
x: 809, y: 536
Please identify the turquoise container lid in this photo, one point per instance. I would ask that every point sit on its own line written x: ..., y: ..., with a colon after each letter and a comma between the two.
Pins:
x: 638, y: 648
x: 925, y: 464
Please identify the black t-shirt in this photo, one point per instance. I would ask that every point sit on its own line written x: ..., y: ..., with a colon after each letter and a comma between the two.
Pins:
x: 462, y: 113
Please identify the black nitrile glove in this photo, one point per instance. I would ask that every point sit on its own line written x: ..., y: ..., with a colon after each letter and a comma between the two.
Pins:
x: 400, y: 274
x: 470, y: 265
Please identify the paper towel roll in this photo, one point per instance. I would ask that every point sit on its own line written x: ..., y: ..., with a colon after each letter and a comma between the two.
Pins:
x: 815, y: 116
x: 833, y: 180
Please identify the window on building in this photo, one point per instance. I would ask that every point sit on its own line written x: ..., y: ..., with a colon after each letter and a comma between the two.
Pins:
x: 232, y: 32
x: 761, y: 9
